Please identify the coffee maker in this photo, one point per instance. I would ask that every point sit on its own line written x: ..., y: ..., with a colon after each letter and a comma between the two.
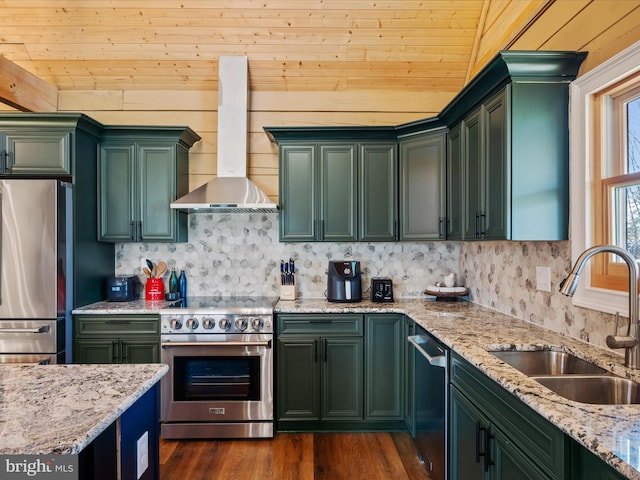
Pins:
x: 343, y: 281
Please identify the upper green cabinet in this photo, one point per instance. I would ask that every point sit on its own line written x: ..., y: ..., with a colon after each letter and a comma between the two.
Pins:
x: 509, y: 149
x: 422, y: 186
x: 337, y: 190
x: 141, y: 171
x: 35, y: 144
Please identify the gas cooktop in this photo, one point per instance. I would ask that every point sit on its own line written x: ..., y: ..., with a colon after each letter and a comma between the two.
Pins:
x: 223, y: 304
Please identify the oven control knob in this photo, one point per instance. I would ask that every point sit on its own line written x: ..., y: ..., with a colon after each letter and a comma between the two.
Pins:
x: 176, y: 324
x: 208, y: 323
x: 224, y: 324
x: 192, y: 324
x: 257, y: 324
x: 242, y: 324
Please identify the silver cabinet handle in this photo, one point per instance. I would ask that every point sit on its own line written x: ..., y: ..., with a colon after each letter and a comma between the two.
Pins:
x: 421, y: 343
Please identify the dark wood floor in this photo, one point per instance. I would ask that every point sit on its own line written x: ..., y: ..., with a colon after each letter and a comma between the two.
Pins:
x: 294, y: 456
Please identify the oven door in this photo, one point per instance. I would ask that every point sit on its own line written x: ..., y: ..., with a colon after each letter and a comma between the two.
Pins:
x: 218, y: 378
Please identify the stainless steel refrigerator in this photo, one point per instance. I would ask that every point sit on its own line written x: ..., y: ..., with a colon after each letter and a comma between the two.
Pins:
x: 36, y: 270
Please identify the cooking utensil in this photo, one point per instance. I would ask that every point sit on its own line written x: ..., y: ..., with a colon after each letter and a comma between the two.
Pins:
x: 161, y: 268
x: 147, y: 272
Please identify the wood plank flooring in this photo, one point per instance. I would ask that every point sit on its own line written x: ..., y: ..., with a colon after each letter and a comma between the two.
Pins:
x: 294, y: 456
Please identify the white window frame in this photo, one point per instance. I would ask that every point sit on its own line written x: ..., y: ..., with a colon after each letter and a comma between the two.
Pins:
x: 581, y: 158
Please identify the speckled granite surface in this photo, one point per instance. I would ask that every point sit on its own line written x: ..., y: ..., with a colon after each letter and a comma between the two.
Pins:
x: 60, y: 409
x: 136, y: 307
x: 610, y: 431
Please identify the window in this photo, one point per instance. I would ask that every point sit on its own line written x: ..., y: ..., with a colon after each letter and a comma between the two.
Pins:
x: 605, y: 175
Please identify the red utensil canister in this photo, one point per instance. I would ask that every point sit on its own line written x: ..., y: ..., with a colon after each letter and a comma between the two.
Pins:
x: 154, y: 289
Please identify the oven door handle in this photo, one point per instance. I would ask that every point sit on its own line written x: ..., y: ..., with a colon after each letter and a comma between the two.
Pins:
x: 42, y: 329
x: 266, y: 343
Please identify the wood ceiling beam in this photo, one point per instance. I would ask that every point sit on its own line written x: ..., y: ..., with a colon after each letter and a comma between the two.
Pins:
x: 24, y: 91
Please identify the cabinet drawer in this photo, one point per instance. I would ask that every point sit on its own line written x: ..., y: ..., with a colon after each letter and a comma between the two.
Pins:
x: 115, y: 325
x: 321, y: 324
x: 535, y: 436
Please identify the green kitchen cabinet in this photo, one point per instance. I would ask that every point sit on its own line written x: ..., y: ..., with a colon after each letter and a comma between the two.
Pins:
x: 337, y: 185
x: 587, y: 466
x: 319, y: 371
x: 409, y: 329
x: 318, y: 192
x: 116, y: 338
x: 511, y: 154
x: 384, y: 367
x: 140, y: 172
x: 37, y: 152
x: 495, y: 436
x: 422, y: 163
x: 378, y: 202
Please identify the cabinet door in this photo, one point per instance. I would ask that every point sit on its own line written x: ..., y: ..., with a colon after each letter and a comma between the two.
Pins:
x: 95, y: 351
x: 509, y: 462
x: 378, y: 192
x: 298, y: 379
x: 156, y: 190
x: 467, y: 444
x: 384, y: 367
x: 455, y: 183
x: 38, y: 152
x: 586, y: 465
x: 338, y: 193
x: 341, y: 378
x: 298, y: 193
x: 496, y: 188
x: 473, y: 177
x: 422, y: 187
x: 116, y: 176
x: 140, y: 350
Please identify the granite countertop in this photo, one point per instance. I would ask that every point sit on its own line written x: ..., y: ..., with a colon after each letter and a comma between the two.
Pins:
x: 612, y: 432
x: 60, y: 409
x: 135, y: 307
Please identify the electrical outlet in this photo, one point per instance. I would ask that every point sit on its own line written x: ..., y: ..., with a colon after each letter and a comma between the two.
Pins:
x: 142, y: 450
x: 543, y: 279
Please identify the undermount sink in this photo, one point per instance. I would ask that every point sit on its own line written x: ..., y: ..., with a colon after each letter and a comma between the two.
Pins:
x: 547, y: 362
x: 571, y: 377
x: 596, y: 389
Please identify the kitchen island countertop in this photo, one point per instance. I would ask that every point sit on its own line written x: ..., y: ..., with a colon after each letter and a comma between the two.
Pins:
x: 61, y: 409
x: 612, y: 432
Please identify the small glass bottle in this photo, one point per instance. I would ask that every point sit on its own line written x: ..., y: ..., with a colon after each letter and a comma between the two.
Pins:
x: 173, y: 281
x: 182, y: 285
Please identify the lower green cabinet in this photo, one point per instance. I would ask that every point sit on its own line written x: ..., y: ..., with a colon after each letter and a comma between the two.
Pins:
x: 339, y: 372
x: 495, y: 436
x: 116, y: 339
x: 384, y: 357
x: 587, y: 466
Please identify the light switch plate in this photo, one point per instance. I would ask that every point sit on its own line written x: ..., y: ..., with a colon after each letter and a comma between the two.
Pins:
x: 142, y: 450
x: 543, y: 279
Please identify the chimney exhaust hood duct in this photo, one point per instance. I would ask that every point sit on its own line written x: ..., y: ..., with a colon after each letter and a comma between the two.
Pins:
x: 231, y: 191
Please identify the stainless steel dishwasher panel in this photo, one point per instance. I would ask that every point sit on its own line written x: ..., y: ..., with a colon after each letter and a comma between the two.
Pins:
x: 430, y: 402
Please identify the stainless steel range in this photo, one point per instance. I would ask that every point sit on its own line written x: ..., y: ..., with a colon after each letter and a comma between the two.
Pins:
x: 220, y: 356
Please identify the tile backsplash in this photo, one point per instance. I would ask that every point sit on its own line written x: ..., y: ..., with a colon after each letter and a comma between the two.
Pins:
x: 239, y: 254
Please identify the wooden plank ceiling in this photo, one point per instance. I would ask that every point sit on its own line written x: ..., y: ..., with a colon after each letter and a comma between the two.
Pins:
x: 292, y: 45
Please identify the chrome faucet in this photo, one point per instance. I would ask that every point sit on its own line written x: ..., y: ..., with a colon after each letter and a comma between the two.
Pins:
x: 630, y: 344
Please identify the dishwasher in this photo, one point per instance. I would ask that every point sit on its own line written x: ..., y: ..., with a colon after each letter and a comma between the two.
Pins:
x: 430, y: 406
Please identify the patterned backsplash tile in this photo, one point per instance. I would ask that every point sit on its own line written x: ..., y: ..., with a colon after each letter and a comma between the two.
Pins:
x: 239, y: 254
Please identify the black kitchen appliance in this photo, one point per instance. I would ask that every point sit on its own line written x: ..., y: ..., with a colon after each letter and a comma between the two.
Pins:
x: 122, y: 289
x: 343, y: 281
x: 381, y: 290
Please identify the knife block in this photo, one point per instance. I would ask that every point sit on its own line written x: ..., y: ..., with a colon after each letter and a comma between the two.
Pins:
x: 288, y: 292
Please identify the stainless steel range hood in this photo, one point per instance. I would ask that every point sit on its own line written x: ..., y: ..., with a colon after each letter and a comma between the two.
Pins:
x: 231, y: 191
